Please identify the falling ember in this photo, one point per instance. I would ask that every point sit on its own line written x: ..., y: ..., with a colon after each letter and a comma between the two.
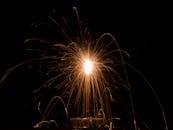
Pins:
x: 88, y: 66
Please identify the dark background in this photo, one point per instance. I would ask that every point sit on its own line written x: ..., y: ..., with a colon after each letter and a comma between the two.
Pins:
x: 143, y: 29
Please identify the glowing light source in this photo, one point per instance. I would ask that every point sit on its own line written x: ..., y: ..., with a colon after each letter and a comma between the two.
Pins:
x: 88, y: 66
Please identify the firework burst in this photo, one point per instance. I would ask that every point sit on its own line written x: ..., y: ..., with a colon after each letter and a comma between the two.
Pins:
x: 86, y: 71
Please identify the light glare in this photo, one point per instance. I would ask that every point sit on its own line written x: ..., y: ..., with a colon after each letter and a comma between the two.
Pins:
x: 88, y: 66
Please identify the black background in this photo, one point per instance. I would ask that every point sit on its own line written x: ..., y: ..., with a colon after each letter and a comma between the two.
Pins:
x: 143, y: 29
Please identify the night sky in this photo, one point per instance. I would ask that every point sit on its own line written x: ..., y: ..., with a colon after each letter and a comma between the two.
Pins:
x: 142, y: 29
